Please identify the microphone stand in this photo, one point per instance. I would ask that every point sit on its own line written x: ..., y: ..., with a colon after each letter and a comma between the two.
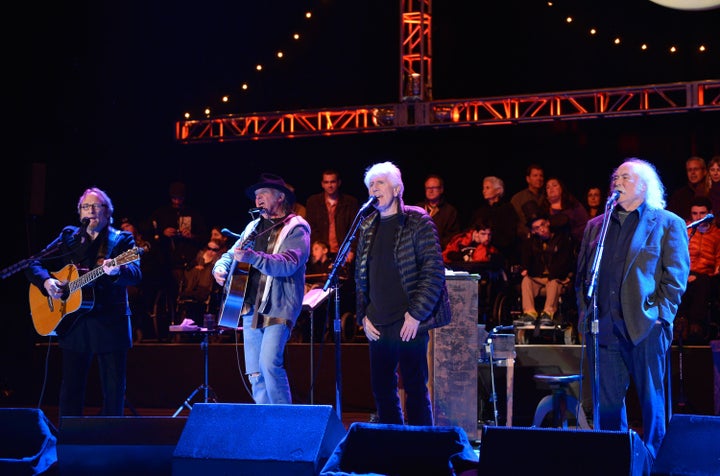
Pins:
x: 595, y: 325
x: 332, y: 280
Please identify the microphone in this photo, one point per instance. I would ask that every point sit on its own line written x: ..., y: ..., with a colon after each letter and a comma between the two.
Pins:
x: 613, y: 198
x: 229, y: 234
x: 705, y: 219
x: 255, y: 210
x: 371, y: 201
x: 83, y: 229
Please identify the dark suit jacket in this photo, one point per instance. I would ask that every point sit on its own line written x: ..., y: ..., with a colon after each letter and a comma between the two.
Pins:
x: 655, y: 274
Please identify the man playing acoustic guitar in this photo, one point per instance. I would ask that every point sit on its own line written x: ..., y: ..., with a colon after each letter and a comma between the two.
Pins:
x: 86, y: 302
x: 276, y: 246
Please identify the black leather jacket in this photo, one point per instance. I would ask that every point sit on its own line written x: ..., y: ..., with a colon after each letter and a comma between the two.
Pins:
x: 419, y: 260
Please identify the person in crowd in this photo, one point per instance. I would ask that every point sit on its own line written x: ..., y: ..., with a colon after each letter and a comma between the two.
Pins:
x: 443, y: 213
x: 401, y: 295
x: 500, y: 215
x: 318, y: 266
x: 275, y: 246
x: 217, y: 236
x: 713, y: 186
x: 473, y: 251
x: 564, y: 209
x: 331, y: 213
x: 100, y: 327
x: 140, y: 317
x: 534, y: 192
x: 702, y: 287
x: 548, y: 262
x: 641, y: 278
x: 594, y: 201
x: 696, y: 186
x: 199, y: 286
x: 180, y: 231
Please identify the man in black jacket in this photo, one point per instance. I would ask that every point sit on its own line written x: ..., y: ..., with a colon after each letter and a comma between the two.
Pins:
x: 401, y: 294
x: 93, y: 315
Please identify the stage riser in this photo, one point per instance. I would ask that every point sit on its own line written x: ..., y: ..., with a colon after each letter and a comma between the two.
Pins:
x: 163, y: 375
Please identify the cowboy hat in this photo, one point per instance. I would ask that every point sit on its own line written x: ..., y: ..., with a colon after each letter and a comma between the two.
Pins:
x: 271, y: 181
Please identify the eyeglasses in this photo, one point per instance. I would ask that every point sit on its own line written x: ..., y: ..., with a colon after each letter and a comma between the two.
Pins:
x: 94, y: 206
x: 540, y: 226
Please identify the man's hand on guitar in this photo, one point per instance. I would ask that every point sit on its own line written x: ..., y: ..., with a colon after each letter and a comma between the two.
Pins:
x: 110, y: 268
x: 220, y: 275
x: 54, y: 288
x: 241, y: 254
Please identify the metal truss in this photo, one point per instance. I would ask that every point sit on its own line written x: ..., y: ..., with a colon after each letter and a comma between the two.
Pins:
x: 563, y: 106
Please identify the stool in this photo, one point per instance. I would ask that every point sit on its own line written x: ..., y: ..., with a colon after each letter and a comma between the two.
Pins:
x: 559, y: 402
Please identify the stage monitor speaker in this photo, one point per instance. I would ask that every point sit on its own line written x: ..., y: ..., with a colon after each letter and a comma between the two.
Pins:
x: 690, y: 447
x: 118, y: 445
x: 560, y: 452
x: 250, y: 439
x: 28, y: 442
x: 401, y: 450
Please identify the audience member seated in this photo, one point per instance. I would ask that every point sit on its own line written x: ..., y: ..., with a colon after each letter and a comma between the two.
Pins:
x: 548, y: 262
x: 318, y: 266
x: 693, y: 322
x: 472, y: 251
x: 196, y: 292
x: 713, y: 186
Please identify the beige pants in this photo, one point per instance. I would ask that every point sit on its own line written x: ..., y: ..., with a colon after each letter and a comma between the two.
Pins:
x: 532, y: 287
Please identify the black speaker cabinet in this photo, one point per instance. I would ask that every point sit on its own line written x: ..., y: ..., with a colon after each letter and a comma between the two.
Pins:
x: 28, y: 442
x: 691, y: 447
x: 401, y: 450
x: 119, y: 445
x: 251, y: 439
x: 556, y: 451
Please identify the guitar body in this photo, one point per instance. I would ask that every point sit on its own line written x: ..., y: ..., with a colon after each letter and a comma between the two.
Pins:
x: 234, y: 295
x: 48, y: 313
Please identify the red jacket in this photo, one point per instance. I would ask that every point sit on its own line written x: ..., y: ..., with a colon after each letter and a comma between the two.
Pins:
x: 704, y: 251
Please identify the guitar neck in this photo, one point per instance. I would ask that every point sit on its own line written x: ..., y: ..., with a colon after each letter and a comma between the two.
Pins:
x: 86, y: 278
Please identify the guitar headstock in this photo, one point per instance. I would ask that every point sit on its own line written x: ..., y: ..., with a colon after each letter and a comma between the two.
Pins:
x: 133, y: 254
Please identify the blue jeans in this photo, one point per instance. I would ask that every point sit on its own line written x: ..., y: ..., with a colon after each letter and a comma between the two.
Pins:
x: 390, y: 354
x: 646, y: 363
x: 264, y: 362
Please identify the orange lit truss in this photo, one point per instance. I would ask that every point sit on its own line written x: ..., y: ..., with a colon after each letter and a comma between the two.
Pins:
x: 417, y: 109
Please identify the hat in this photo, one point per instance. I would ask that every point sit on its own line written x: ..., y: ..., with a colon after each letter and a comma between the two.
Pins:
x: 533, y: 212
x: 271, y: 181
x: 177, y: 189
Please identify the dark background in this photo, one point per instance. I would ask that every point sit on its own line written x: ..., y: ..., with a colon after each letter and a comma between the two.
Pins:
x: 94, y: 90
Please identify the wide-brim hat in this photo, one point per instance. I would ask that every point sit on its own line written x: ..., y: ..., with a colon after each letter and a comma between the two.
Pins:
x: 271, y: 181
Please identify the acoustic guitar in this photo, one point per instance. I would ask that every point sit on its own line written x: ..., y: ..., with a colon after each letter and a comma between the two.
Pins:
x: 47, y: 313
x: 233, y: 296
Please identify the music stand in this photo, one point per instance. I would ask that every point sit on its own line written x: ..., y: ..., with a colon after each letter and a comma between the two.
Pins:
x: 208, y: 393
x: 311, y: 301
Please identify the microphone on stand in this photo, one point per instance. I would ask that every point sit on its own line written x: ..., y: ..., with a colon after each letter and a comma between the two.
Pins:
x: 612, y: 199
x: 371, y: 201
x: 705, y: 219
